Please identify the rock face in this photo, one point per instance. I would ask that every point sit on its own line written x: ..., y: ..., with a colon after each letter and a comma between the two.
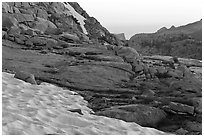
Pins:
x: 45, y: 39
x: 41, y: 18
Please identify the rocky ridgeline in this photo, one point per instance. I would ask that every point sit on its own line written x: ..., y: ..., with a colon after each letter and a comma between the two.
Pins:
x: 38, y: 24
x: 46, y: 40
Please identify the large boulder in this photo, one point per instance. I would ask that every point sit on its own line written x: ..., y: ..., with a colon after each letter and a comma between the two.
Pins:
x: 8, y: 21
x: 58, y: 7
x: 138, y: 113
x: 43, y: 24
x: 25, y: 76
x: 53, y: 31
x: 128, y: 53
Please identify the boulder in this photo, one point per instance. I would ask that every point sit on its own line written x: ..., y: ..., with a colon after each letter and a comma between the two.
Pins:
x: 194, y: 126
x: 197, y: 103
x: 42, y: 27
x: 11, y: 37
x: 53, y: 31
x: 29, y: 43
x: 25, y: 76
x: 152, y: 71
x: 83, y: 50
x: 137, y: 66
x: 25, y: 4
x: 4, y: 34
x: 38, y: 41
x: 8, y: 21
x: 11, y: 3
x: 26, y: 11
x: 120, y: 36
x: 63, y: 44
x: 175, y: 73
x: 181, y: 131
x: 14, y: 30
x: 110, y: 47
x: 23, y: 17
x: 76, y: 110
x: 69, y: 37
x: 178, y: 107
x: 42, y: 13
x: 16, y: 10
x: 161, y: 70
x: 29, y: 32
x: 6, y: 8
x: 50, y: 43
x: 43, y: 24
x: 104, y: 58
x: 130, y: 54
x: 19, y: 41
x: 17, y: 4
x: 141, y: 114
x: 189, y: 86
x: 58, y: 7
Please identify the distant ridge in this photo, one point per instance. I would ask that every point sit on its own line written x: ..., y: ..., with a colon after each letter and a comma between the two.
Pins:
x: 182, y: 41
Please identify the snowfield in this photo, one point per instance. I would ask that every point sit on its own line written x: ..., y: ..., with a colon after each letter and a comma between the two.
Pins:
x: 45, y: 109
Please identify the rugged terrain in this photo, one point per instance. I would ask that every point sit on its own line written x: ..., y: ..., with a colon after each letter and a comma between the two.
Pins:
x: 60, y: 43
x: 184, y: 41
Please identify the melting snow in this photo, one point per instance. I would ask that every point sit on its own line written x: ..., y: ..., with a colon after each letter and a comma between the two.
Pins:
x: 79, y: 17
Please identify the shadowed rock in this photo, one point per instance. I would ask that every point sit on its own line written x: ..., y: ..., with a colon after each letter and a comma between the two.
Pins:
x: 25, y: 76
x: 138, y: 113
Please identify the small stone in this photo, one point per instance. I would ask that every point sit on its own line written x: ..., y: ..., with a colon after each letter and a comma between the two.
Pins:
x: 76, y: 110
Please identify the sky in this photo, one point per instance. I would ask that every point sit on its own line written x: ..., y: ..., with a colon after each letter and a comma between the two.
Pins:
x: 142, y: 16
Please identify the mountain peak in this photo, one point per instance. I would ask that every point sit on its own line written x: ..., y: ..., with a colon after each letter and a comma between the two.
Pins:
x: 162, y: 30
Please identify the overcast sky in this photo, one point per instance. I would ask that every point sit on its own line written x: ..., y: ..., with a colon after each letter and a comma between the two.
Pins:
x: 137, y: 16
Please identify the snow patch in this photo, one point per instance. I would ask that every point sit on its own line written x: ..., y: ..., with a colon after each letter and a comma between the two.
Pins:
x: 44, y: 109
x: 79, y: 17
